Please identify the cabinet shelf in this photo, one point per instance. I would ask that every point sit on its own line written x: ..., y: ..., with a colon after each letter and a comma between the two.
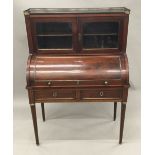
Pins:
x: 53, y: 35
x: 101, y: 34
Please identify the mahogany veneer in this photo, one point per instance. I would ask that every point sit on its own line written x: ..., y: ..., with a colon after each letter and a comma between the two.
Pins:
x: 77, y: 55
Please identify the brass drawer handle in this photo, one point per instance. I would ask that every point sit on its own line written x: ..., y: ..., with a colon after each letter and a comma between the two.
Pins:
x: 101, y: 93
x: 49, y: 83
x: 105, y: 82
x: 54, y: 94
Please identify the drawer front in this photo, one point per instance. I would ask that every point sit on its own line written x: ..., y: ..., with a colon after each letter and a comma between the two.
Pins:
x: 76, y: 83
x: 101, y: 94
x: 49, y: 95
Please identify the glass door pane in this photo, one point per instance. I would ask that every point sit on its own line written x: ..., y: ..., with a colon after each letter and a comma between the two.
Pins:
x: 100, y: 35
x: 54, y: 35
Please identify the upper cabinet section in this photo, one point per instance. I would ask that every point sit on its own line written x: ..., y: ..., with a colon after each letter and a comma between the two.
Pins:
x: 73, y: 31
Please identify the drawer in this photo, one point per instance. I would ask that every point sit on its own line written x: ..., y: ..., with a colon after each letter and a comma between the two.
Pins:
x: 76, y: 83
x: 49, y: 95
x: 101, y: 94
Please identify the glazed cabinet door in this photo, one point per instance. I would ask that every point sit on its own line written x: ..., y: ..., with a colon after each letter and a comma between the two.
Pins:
x: 101, y: 34
x: 54, y: 35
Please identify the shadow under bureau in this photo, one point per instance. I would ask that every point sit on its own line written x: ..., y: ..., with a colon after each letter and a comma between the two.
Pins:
x: 77, y: 55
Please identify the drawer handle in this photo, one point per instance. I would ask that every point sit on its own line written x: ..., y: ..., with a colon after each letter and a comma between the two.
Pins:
x: 101, y: 93
x: 54, y: 94
x: 105, y: 82
x: 49, y: 83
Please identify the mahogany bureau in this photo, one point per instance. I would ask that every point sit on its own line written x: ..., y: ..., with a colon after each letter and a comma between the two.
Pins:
x: 77, y: 55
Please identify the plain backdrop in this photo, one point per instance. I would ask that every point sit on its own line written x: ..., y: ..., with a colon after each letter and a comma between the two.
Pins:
x: 72, y: 128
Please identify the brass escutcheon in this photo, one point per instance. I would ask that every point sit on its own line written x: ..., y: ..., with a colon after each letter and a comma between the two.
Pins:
x: 101, y: 93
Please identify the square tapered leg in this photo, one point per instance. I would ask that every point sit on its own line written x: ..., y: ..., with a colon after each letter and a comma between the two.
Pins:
x: 123, y: 109
x: 115, y: 110
x: 43, y: 111
x: 34, y: 118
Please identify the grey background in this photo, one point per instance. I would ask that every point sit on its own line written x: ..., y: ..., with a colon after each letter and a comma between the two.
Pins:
x: 68, y: 125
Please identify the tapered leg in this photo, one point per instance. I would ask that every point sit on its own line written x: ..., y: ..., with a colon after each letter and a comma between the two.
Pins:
x: 115, y: 110
x: 43, y: 111
x: 33, y: 111
x: 123, y: 109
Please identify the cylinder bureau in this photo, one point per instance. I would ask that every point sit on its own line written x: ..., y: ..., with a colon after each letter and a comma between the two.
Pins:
x: 77, y: 55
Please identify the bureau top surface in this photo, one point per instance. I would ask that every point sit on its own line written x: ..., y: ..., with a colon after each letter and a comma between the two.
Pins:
x: 108, y: 10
